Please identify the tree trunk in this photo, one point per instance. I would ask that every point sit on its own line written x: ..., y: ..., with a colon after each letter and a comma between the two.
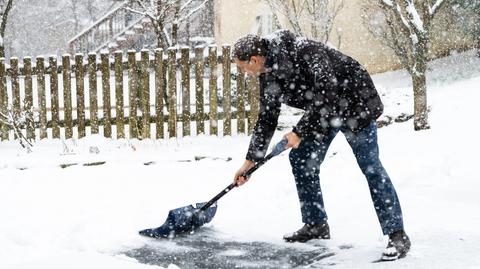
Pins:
x: 419, y: 81
x: 478, y: 46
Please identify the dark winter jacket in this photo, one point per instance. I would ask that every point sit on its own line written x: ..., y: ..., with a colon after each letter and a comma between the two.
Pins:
x: 334, y: 90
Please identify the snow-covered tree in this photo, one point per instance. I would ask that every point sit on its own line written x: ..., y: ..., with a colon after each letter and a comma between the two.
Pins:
x: 5, y: 7
x: 405, y: 26
x: 167, y: 13
x: 310, y: 18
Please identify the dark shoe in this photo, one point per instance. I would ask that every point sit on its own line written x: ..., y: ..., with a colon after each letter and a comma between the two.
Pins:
x: 398, y: 246
x: 309, y: 231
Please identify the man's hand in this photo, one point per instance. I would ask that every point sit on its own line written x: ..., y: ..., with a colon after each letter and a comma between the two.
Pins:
x: 238, y: 179
x: 293, y: 140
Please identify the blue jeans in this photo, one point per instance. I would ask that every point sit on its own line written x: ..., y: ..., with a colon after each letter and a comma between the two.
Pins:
x: 306, y: 161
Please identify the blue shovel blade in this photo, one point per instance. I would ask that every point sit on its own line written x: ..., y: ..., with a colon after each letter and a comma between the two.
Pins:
x: 182, y: 220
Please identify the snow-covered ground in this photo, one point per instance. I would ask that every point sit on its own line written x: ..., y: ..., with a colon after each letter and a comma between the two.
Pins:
x: 86, y: 216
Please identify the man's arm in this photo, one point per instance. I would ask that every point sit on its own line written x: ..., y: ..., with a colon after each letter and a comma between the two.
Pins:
x: 269, y: 112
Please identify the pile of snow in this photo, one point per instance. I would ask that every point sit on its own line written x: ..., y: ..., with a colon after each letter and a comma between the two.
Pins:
x: 85, y: 216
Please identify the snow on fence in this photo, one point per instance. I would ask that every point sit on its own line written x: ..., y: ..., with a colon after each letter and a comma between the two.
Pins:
x: 147, y: 94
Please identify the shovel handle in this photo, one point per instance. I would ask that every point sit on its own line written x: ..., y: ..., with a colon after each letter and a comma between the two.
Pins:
x: 279, y: 148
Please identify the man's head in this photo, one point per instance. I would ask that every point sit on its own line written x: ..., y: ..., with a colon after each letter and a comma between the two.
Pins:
x: 249, y: 53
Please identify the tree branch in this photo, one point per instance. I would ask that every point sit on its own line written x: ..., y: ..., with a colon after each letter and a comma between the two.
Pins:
x: 438, y: 5
x: 3, y: 25
x: 195, y: 10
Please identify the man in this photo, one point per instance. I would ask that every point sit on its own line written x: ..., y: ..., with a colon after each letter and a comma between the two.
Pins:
x: 337, y: 95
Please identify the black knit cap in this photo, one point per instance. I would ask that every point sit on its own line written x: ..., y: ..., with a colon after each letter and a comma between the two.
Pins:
x: 248, y: 46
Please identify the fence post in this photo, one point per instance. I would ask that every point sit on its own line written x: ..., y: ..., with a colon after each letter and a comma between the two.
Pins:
x: 254, y: 94
x: 119, y: 94
x: 67, y: 96
x: 212, y: 88
x: 80, y: 88
x: 240, y: 101
x: 145, y: 93
x: 15, y: 89
x: 185, y: 62
x: 227, y: 92
x: 107, y: 114
x: 54, y: 97
x: 199, y: 72
x: 132, y: 87
x: 159, y: 92
x: 3, y: 99
x: 42, y: 113
x: 92, y: 86
x: 28, y: 101
x: 172, y: 92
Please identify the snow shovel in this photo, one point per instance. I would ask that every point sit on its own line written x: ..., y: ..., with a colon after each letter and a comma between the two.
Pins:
x: 188, y: 218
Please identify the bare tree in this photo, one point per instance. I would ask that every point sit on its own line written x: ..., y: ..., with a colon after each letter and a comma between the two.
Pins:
x: 5, y: 7
x: 312, y: 18
x: 405, y: 26
x: 164, y: 13
x: 90, y: 7
x: 75, y: 16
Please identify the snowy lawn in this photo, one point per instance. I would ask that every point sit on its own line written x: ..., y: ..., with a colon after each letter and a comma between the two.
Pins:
x: 85, y: 216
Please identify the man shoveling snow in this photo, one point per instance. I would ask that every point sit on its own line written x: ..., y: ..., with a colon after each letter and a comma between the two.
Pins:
x: 337, y: 95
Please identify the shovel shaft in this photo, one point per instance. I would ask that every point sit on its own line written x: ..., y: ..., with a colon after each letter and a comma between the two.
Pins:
x: 218, y: 196
x: 279, y: 148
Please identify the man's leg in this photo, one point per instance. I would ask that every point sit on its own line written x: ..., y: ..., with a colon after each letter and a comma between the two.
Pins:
x: 305, y: 162
x: 387, y: 206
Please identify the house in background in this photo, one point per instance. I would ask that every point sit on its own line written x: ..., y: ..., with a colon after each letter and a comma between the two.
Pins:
x: 224, y: 21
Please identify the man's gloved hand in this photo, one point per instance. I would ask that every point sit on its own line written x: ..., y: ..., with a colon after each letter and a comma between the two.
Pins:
x: 238, y: 179
x: 293, y: 140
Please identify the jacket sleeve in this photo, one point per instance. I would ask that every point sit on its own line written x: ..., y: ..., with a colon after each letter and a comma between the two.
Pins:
x: 322, y: 108
x: 267, y: 121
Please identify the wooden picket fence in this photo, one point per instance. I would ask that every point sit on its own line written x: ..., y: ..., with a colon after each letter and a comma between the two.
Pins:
x: 126, y: 83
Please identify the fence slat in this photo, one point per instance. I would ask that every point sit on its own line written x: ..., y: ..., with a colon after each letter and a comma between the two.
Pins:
x: 28, y: 101
x: 54, y: 97
x: 15, y: 90
x: 3, y: 99
x: 185, y: 63
x: 132, y: 88
x: 159, y: 92
x: 107, y: 114
x: 254, y: 97
x: 42, y: 112
x: 92, y: 86
x: 199, y: 103
x: 67, y: 96
x: 212, y: 89
x: 227, y: 102
x: 145, y: 94
x: 119, y: 95
x: 240, y: 102
x: 80, y: 88
x: 172, y: 92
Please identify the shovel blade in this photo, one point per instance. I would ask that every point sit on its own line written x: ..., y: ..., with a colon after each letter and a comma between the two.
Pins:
x: 182, y: 220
